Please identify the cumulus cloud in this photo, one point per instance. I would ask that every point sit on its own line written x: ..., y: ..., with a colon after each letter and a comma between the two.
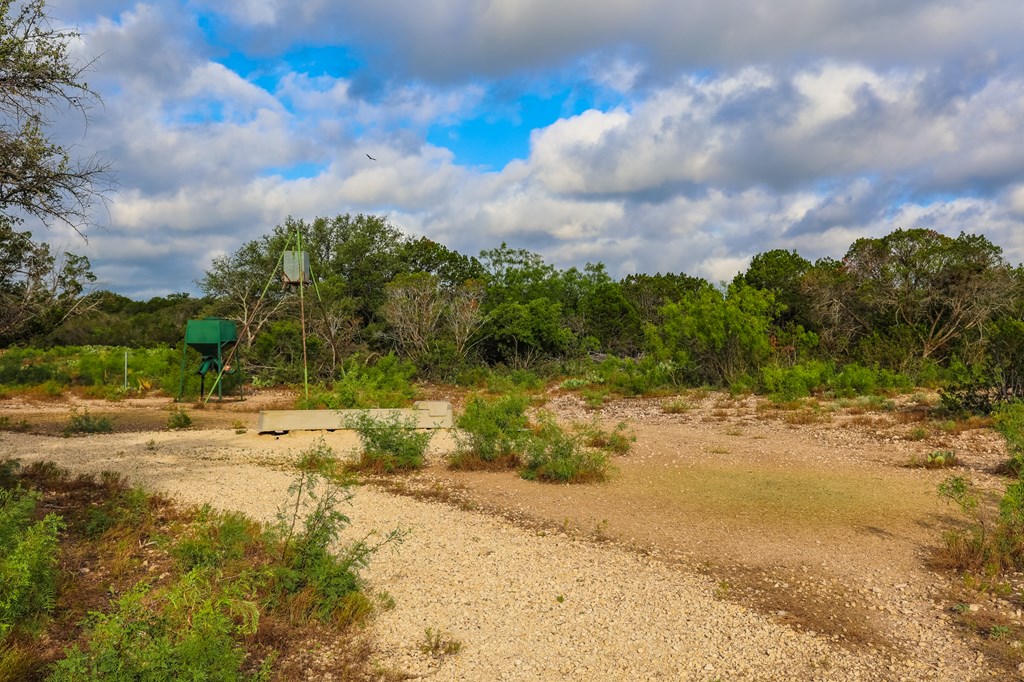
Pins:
x: 733, y: 128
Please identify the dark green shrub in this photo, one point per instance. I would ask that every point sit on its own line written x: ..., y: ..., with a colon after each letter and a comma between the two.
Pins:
x: 491, y: 432
x: 179, y: 419
x: 558, y: 456
x: 389, y: 443
x: 85, y: 423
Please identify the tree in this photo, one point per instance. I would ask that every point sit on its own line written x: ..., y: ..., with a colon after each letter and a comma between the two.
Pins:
x: 38, y: 77
x: 38, y: 290
x: 649, y: 293
x: 717, y: 338
x: 414, y: 308
x: 930, y: 291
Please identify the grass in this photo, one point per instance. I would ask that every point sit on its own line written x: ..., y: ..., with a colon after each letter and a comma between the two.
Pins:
x: 8, y: 424
x: 677, y: 406
x: 619, y: 441
x: 438, y: 644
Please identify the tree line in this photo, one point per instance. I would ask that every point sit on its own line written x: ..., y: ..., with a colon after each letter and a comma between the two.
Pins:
x: 914, y: 302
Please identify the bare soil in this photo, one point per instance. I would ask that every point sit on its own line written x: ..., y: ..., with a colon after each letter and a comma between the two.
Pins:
x: 808, y: 516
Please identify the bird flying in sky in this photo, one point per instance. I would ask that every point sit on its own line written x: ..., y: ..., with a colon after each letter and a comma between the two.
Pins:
x: 370, y: 158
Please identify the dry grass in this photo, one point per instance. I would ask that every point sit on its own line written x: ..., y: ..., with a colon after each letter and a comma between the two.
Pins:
x: 471, y: 461
x: 677, y: 406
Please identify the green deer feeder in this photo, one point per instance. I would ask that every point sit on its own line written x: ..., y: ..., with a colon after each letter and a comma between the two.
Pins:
x: 211, y: 338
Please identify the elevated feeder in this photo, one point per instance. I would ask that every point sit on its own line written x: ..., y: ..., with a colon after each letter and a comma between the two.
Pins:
x: 211, y: 337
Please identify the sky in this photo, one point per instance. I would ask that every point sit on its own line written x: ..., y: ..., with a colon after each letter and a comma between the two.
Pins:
x: 650, y: 135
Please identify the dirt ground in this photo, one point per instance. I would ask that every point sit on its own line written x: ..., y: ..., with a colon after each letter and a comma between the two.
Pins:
x: 809, y: 515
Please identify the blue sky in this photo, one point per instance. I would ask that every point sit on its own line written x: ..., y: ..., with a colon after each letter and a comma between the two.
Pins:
x: 651, y: 135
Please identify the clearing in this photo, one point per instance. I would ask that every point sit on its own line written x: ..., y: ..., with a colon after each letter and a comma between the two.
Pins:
x: 736, y: 541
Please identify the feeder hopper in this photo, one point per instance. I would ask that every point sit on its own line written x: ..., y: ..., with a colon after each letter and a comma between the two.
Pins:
x: 211, y: 338
x: 295, y: 268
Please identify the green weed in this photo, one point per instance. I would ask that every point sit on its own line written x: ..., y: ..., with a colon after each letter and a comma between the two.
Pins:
x: 677, y: 406
x: 439, y: 644
x: 390, y: 443
x: 618, y: 441
x: 85, y: 423
x: 179, y: 419
x: 557, y: 456
x: 491, y: 433
x: 8, y: 424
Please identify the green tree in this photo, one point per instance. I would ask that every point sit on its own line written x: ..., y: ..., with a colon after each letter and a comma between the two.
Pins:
x: 718, y: 338
x: 38, y: 290
x: 611, y: 319
x: 917, y: 288
x: 39, y: 78
x: 649, y: 293
x: 519, y: 335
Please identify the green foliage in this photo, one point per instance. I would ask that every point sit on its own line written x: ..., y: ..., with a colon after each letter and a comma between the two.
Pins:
x: 618, y: 441
x: 491, y: 432
x: 86, y: 423
x: 940, y: 459
x: 609, y: 317
x: 439, y: 644
x: 179, y: 419
x: 555, y: 455
x: 716, y: 337
x: 28, y: 560
x: 214, y: 539
x: 386, y: 383
x: 194, y: 639
x: 93, y: 366
x: 310, y: 580
x: 390, y: 443
x: 520, y: 335
x: 784, y: 384
x: 1009, y: 421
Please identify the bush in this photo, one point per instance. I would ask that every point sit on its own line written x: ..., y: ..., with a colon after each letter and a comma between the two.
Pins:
x: 390, y: 443
x: 310, y: 580
x: 195, y: 641
x: 179, y: 419
x: 784, y: 384
x: 388, y: 383
x: 558, y: 456
x: 86, y: 423
x: 491, y: 433
x: 618, y: 441
x: 28, y: 561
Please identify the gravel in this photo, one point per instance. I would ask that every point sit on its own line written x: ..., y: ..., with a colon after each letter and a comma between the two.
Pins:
x: 525, y: 605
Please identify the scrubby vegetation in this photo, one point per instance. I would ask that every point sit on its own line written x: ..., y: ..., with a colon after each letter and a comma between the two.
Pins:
x: 119, y: 584
x: 497, y: 433
x: 994, y: 539
x: 912, y: 308
x: 390, y: 443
